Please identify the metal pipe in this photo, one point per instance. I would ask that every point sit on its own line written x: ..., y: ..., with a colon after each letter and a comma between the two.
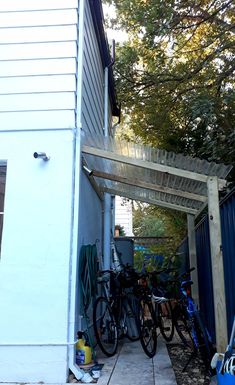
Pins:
x: 41, y: 155
x: 107, y: 197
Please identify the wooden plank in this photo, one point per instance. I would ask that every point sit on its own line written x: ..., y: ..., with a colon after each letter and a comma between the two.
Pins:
x: 193, y: 256
x: 149, y: 186
x: 217, y: 264
x: 148, y: 200
x: 144, y: 164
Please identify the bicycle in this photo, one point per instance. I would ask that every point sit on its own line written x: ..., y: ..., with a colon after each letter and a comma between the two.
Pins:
x: 154, y: 312
x: 189, y: 325
x: 113, y: 316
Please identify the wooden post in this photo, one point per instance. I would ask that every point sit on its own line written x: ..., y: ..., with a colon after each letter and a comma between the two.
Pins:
x: 217, y: 264
x: 193, y: 256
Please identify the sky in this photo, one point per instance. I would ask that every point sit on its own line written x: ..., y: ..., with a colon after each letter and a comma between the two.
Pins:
x: 118, y: 36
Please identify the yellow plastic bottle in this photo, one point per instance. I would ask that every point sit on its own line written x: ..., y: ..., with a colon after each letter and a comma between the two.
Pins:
x: 83, y: 352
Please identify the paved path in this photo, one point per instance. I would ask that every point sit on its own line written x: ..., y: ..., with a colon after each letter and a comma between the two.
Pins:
x: 132, y: 367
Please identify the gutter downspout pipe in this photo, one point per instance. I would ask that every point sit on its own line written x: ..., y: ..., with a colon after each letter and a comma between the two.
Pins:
x: 107, y: 197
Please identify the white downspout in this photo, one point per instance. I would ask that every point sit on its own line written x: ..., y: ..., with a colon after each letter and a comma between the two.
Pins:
x: 107, y: 197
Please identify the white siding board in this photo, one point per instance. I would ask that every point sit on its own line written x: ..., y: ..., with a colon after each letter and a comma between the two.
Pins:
x: 38, y: 18
x: 94, y: 89
x: 29, y: 84
x: 38, y: 51
x: 93, y: 80
x: 88, y: 124
x: 32, y: 120
x: 95, y: 122
x: 37, y: 67
x: 91, y: 45
x: 24, y: 5
x: 43, y: 101
x: 38, y: 34
x: 94, y: 70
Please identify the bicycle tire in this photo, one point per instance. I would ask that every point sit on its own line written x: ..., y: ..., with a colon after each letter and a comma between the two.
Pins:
x: 182, y: 326
x: 147, y: 327
x: 166, y: 323
x: 105, y: 327
x: 130, y: 318
x: 205, y: 346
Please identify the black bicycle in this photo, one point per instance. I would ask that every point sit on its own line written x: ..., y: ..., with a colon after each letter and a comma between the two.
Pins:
x: 113, y: 314
x: 155, y: 312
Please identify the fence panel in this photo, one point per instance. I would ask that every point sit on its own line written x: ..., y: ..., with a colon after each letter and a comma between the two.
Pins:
x: 227, y: 211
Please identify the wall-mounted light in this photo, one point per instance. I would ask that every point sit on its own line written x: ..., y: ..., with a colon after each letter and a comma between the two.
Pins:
x: 41, y: 155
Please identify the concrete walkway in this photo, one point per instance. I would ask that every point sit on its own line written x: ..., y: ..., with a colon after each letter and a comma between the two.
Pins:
x: 131, y: 366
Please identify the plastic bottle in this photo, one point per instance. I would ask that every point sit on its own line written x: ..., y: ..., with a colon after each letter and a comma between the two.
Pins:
x: 83, y: 352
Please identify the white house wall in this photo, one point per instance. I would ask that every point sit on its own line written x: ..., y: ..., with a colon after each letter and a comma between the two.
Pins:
x: 34, y: 264
x: 38, y: 64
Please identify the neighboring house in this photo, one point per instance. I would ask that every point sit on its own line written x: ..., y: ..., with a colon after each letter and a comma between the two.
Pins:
x: 52, y: 60
x: 123, y: 215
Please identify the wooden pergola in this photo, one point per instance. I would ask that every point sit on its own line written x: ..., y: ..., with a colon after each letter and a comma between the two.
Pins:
x: 170, y: 180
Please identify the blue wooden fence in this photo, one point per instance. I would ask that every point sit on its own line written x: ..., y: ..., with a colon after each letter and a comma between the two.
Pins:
x: 227, y: 211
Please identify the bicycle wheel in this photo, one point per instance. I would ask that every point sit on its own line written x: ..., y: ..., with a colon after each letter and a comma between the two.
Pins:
x: 130, y: 318
x: 205, y: 346
x: 147, y: 325
x: 166, y: 324
x: 105, y: 327
x: 183, y: 327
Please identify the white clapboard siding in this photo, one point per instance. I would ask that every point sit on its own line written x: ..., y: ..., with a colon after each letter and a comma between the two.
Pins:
x: 39, y: 18
x: 33, y: 120
x: 93, y: 79
x: 43, y: 101
x: 24, y: 5
x: 53, y: 83
x: 38, y: 51
x: 38, y: 67
x: 38, y: 34
x: 38, y: 64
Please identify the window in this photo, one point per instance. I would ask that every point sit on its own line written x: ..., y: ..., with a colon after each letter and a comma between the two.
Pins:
x: 3, y: 171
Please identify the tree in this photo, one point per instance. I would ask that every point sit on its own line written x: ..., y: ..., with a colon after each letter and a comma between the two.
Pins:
x: 151, y: 221
x: 175, y: 75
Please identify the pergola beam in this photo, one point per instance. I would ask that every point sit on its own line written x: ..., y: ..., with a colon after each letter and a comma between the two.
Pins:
x: 146, y: 164
x: 149, y: 186
x: 155, y: 202
x: 93, y: 182
x: 217, y: 264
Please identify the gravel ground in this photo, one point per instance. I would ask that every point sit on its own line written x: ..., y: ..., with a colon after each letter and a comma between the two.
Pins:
x: 195, y: 373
